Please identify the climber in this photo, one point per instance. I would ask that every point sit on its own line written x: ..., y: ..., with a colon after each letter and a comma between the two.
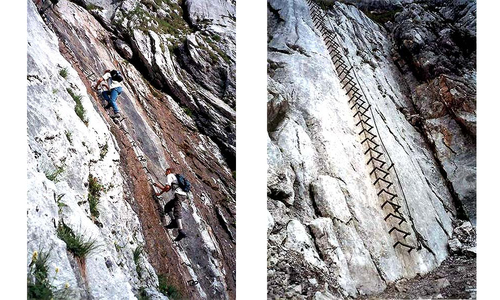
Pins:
x: 46, y: 4
x: 181, y: 187
x: 114, y: 86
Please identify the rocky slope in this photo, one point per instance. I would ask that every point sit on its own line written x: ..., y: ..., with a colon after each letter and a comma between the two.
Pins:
x: 413, y: 63
x: 178, y: 106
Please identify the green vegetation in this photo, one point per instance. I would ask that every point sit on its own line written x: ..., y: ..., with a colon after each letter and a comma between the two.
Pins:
x: 326, y: 4
x: 137, y: 255
x: 188, y: 111
x: 214, y: 47
x: 216, y: 38
x: 54, y: 91
x: 53, y: 176
x: 104, y: 151
x: 68, y: 136
x: 76, y: 243
x: 118, y: 247
x: 142, y: 295
x: 168, y: 290
x: 39, y: 286
x: 79, y: 110
x: 382, y: 17
x: 94, y: 195
x: 60, y: 204
x: 63, y: 72
x: 173, y: 24
x: 91, y: 6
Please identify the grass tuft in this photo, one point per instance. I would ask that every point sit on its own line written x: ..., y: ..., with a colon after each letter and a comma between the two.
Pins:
x: 94, y: 196
x: 53, y: 176
x: 76, y: 244
x: 137, y: 255
x: 68, y: 136
x: 167, y: 289
x: 39, y: 285
x: 63, y: 72
x: 79, y: 110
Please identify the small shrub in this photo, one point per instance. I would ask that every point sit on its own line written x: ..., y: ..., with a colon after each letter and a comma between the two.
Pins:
x: 94, y: 195
x: 76, y: 244
x: 53, y: 176
x: 63, y: 72
x: 79, y: 110
x: 54, y: 91
x: 166, y: 289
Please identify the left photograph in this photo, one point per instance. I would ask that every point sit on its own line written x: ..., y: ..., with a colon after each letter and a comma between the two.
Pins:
x: 131, y: 179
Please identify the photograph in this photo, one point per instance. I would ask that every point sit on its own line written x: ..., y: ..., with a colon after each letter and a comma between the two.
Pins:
x: 371, y: 149
x: 131, y: 149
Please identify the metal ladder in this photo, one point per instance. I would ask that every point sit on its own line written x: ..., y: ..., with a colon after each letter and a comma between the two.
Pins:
x: 373, y: 146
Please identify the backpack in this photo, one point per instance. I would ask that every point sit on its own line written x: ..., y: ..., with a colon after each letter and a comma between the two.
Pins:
x: 116, y: 76
x: 184, y: 184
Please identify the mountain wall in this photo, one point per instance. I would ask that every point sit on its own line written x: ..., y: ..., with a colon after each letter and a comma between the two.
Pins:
x: 178, y: 61
x: 371, y: 148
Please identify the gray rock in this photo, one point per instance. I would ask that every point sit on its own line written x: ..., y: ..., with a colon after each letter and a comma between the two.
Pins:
x: 124, y: 49
x: 157, y: 132
x: 442, y: 283
x: 316, y: 163
x: 455, y: 246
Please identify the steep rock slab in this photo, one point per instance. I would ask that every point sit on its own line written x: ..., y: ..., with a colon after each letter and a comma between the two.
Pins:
x: 59, y: 140
x: 315, y: 151
x: 155, y: 134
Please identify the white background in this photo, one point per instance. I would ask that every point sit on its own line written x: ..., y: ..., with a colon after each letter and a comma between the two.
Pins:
x: 251, y: 149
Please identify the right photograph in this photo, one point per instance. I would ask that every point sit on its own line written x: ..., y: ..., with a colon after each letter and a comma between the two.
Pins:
x: 371, y: 120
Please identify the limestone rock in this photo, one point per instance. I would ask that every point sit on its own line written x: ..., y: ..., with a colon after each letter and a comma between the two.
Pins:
x: 423, y: 104
x: 75, y: 148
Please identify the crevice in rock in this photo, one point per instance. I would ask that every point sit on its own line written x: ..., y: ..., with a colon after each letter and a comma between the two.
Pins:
x: 313, y: 201
x: 379, y: 271
x: 446, y: 208
x: 442, y: 227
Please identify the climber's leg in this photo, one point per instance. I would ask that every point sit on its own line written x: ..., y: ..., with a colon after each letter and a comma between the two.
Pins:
x: 105, y: 95
x: 169, y: 206
x: 178, y: 216
x: 114, y: 95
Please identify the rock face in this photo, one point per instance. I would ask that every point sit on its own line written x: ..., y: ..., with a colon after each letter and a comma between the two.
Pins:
x: 77, y: 154
x: 329, y: 237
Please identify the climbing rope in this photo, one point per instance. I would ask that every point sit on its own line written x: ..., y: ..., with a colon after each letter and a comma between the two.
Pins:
x: 373, y: 145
